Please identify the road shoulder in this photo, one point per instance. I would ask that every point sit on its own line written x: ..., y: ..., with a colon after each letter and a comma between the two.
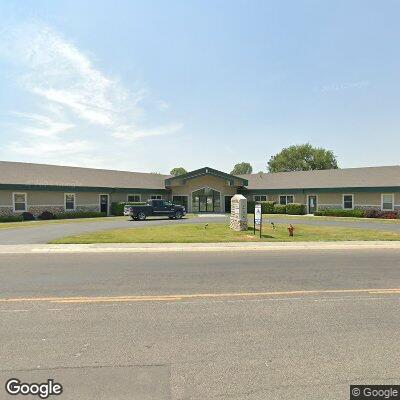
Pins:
x: 193, y: 247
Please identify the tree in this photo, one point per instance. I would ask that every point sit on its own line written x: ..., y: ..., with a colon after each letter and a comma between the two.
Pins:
x: 242, y: 168
x: 178, y: 171
x: 302, y: 157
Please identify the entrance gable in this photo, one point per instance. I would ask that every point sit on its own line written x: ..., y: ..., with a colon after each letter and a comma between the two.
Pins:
x: 207, y: 171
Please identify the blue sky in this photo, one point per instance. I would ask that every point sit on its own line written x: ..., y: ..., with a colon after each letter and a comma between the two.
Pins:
x: 150, y: 85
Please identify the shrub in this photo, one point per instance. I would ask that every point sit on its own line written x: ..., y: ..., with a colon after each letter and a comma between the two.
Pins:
x: 27, y: 216
x: 267, y: 207
x: 11, y: 218
x: 337, y: 212
x: 381, y: 214
x: 371, y: 213
x: 295, y: 209
x: 46, y: 215
x: 79, y: 214
x: 118, y: 208
x: 279, y: 209
x: 250, y: 207
x: 389, y: 215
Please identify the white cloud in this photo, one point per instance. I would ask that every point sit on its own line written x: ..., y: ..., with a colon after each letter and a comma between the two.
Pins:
x: 130, y: 133
x: 49, y: 148
x: 336, y: 87
x: 42, y: 125
x: 72, y: 98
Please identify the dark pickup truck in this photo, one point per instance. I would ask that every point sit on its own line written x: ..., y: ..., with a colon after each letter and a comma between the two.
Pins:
x: 154, y: 208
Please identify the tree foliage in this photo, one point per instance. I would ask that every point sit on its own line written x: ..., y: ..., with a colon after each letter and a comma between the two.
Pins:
x: 178, y: 171
x: 242, y: 168
x: 302, y: 157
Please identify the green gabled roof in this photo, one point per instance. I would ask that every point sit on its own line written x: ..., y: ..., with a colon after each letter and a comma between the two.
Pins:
x: 207, y: 171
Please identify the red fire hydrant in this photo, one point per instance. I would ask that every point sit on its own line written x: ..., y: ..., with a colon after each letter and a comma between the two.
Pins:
x: 290, y: 229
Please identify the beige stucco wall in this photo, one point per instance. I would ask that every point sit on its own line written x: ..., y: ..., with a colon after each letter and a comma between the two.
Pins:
x: 40, y: 200
x: 213, y: 182
x: 298, y: 197
x: 122, y: 197
x: 361, y: 200
x: 51, y: 198
x: 335, y: 200
x: 6, y: 198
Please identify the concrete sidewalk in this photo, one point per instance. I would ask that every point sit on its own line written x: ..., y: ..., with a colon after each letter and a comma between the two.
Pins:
x: 193, y: 247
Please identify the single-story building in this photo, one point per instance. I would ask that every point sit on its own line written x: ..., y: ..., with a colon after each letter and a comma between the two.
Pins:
x: 39, y: 187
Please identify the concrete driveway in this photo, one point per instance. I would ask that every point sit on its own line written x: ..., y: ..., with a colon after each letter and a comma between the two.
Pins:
x: 45, y: 233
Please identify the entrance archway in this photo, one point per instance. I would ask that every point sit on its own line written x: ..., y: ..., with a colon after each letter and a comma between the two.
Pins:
x: 206, y: 200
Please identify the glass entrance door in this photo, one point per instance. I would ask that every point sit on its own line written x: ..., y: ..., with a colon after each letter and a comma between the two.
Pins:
x: 202, y: 203
x: 206, y: 200
x: 210, y: 204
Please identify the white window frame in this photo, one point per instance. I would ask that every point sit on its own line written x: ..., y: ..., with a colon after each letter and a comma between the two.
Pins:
x: 157, y: 197
x: 26, y: 201
x: 65, y: 202
x: 133, y: 194
x: 285, y: 195
x: 352, y: 201
x: 387, y: 194
x: 255, y: 195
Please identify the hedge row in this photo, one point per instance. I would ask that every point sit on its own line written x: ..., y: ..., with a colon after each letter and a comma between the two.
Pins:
x: 47, y: 215
x: 381, y: 214
x: 270, y: 207
x: 338, y: 212
x: 80, y: 214
x: 118, y: 208
x: 11, y: 218
x: 358, y: 213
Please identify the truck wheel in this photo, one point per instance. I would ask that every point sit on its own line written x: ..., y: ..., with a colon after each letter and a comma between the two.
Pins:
x: 178, y: 215
x: 141, y: 216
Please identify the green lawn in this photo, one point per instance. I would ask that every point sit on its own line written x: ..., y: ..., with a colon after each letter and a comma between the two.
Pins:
x: 323, y: 218
x: 217, y: 232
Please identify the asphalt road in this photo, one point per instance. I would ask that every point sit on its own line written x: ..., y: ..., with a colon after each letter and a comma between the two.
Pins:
x: 47, y: 232
x: 88, y: 321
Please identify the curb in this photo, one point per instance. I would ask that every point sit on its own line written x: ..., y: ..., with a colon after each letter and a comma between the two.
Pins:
x: 193, y: 247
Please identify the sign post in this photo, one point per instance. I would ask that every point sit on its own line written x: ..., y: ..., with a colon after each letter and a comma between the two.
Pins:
x: 257, y: 218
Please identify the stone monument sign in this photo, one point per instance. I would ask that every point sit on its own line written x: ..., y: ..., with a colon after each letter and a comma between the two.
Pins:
x: 238, y: 213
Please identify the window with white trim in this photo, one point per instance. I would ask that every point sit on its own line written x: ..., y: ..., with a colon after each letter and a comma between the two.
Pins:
x: 133, y: 198
x: 348, y: 201
x: 156, y: 197
x: 19, y: 201
x: 387, y: 201
x: 69, y: 201
x: 286, y: 199
x: 260, y: 197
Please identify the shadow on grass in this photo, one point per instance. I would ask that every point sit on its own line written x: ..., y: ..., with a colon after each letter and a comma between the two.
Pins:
x: 250, y: 230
